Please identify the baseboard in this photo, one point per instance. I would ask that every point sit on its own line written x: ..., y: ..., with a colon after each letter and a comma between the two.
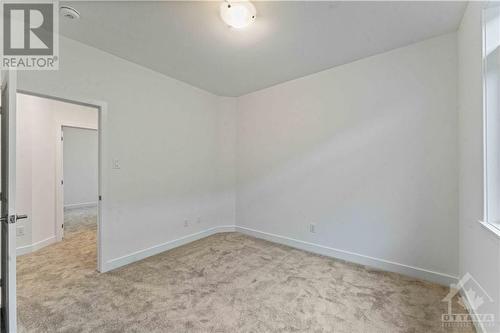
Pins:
x: 35, y: 246
x: 142, y: 254
x: 376, y: 263
x: 81, y: 205
x: 381, y: 264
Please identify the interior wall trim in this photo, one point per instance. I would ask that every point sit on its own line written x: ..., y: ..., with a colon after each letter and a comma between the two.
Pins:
x: 35, y: 246
x: 156, y: 249
x: 376, y: 263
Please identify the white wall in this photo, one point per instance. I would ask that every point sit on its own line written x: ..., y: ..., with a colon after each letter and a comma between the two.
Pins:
x: 170, y: 139
x: 366, y: 151
x: 479, y: 247
x: 24, y: 190
x: 80, y: 161
x: 38, y: 138
x: 226, y: 163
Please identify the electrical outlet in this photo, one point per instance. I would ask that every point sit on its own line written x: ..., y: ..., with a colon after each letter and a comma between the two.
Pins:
x: 20, y: 231
x: 186, y: 223
x: 312, y: 228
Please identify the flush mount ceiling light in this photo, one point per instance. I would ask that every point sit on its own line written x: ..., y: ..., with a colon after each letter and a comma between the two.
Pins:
x: 237, y: 14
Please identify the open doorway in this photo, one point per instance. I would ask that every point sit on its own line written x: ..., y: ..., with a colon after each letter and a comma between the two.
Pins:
x: 79, y: 181
x: 59, y: 186
x: 58, y: 146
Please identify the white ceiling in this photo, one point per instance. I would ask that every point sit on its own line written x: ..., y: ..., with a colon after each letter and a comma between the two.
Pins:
x: 189, y: 42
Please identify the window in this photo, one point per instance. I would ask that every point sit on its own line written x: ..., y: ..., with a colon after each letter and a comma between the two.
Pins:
x: 491, y: 77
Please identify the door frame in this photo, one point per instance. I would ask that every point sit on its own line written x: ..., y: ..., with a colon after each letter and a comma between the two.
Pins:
x: 60, y: 174
x: 102, y: 111
x: 8, y: 285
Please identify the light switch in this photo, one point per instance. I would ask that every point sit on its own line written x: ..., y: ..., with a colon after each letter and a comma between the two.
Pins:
x: 116, y: 164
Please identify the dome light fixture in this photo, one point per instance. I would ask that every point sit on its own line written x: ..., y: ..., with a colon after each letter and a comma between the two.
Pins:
x: 237, y: 14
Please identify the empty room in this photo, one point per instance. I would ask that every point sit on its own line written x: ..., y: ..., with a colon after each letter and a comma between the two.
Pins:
x: 250, y: 166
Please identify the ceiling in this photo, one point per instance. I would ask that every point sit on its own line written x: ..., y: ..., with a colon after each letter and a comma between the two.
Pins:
x: 189, y: 42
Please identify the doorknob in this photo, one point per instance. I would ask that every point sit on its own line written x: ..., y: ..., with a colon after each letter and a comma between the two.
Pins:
x: 13, y: 218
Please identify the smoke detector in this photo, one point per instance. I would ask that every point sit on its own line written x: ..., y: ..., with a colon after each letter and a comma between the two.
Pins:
x: 69, y: 12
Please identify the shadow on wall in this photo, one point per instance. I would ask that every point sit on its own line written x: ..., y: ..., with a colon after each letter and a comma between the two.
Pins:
x: 366, y: 151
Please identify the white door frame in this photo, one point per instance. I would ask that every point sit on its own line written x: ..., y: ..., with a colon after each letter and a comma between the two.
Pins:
x: 9, y: 292
x: 102, y: 178
x: 60, y: 174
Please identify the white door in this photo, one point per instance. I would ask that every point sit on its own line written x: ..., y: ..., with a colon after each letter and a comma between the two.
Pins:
x: 8, y: 200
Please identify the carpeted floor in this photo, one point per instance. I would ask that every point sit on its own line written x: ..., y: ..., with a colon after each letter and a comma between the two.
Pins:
x: 224, y: 283
x: 80, y: 220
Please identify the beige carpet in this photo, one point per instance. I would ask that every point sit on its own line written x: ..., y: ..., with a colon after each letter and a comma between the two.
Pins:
x: 223, y: 283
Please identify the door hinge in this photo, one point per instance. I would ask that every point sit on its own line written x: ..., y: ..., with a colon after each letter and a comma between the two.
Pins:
x: 100, y: 198
x: 62, y: 182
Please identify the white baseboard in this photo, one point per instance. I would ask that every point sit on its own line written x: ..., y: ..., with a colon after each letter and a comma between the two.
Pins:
x: 376, y: 263
x: 81, y: 205
x: 142, y: 254
x: 381, y: 264
x: 35, y: 246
